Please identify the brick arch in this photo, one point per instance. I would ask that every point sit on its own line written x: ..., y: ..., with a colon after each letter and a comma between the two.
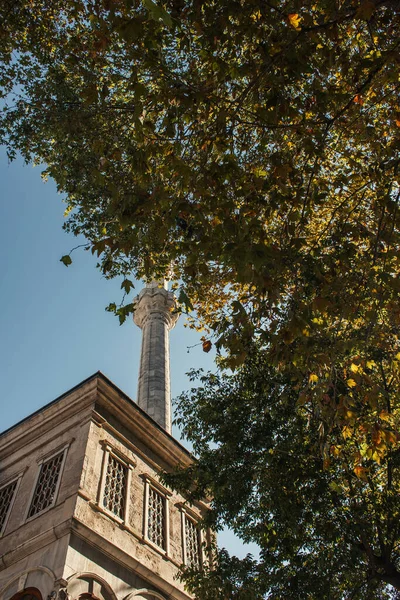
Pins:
x: 144, y: 595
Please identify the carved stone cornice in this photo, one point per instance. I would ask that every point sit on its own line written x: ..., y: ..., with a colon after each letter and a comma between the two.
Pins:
x: 155, y: 302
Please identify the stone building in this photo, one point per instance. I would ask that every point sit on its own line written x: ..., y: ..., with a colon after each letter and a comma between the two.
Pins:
x: 83, y: 514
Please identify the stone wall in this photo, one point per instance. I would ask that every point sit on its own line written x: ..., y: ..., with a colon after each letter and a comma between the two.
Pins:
x: 76, y: 545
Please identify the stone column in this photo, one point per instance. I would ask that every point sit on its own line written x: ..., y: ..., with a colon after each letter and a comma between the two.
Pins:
x: 153, y: 314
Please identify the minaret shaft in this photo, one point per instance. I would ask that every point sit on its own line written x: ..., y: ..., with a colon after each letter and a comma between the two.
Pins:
x: 153, y: 314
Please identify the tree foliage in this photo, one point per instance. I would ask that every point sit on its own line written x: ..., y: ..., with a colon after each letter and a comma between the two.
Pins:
x: 254, y: 146
x: 325, y: 529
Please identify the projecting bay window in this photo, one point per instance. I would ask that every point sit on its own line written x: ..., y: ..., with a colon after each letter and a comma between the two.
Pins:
x: 47, y: 483
x: 8, y: 492
x: 156, y: 514
x: 115, y: 485
x: 191, y: 540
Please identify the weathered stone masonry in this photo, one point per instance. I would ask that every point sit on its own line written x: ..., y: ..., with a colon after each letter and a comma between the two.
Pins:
x: 154, y: 314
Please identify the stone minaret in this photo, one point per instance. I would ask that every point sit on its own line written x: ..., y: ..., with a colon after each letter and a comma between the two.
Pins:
x: 153, y: 314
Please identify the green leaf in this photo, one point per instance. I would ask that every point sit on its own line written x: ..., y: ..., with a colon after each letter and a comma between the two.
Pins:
x: 127, y: 285
x: 66, y: 260
x: 335, y: 487
x: 157, y: 12
x: 183, y: 298
x: 98, y: 247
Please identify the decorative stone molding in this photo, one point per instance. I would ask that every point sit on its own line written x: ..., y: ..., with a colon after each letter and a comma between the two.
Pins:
x: 154, y: 314
x: 45, y: 537
x: 42, y: 578
x: 60, y: 591
x: 91, y: 584
x: 155, y: 302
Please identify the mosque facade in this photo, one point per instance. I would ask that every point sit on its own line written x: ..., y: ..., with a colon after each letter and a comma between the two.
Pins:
x: 84, y: 514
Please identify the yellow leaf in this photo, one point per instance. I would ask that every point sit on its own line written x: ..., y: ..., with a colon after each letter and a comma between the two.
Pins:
x: 318, y: 320
x: 346, y: 432
x: 354, y: 368
x: 294, y: 20
x: 370, y: 364
x: 376, y: 457
x: 351, y: 383
x: 397, y: 357
x: 384, y: 416
x: 360, y: 472
x: 259, y: 172
x: 313, y: 378
x: 256, y: 16
x: 335, y: 450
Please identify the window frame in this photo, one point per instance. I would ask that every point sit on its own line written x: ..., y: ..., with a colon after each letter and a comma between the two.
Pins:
x: 149, y: 482
x: 6, y: 483
x: 189, y: 515
x: 47, y: 457
x: 108, y: 451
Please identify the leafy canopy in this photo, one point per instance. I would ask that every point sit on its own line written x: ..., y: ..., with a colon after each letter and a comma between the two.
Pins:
x: 325, y: 529
x: 254, y: 146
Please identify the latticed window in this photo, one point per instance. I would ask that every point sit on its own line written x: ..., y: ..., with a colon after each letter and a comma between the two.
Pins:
x: 6, y: 498
x: 192, y: 539
x: 156, y: 524
x: 46, y: 485
x: 115, y: 487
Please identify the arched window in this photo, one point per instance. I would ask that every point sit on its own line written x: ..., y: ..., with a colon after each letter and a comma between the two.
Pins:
x: 28, y: 594
x: 88, y: 586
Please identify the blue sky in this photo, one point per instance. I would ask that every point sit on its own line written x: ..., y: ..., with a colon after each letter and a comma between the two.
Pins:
x: 53, y: 324
x: 54, y: 329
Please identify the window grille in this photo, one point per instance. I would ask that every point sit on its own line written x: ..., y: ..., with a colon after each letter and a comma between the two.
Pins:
x: 115, y: 487
x: 156, y: 519
x: 6, y: 498
x: 46, y: 485
x: 192, y: 539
